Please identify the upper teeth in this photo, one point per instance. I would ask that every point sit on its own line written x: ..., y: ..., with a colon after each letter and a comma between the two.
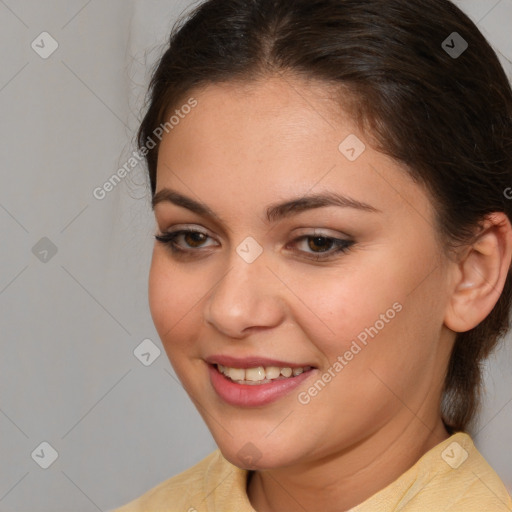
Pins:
x: 259, y: 373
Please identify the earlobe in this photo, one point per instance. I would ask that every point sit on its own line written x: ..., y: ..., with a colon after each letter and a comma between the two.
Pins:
x: 481, y: 273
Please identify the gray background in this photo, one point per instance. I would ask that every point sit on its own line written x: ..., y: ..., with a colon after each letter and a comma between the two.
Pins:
x: 70, y: 321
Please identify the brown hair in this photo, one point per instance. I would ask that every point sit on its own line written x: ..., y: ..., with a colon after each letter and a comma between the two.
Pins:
x: 448, y: 117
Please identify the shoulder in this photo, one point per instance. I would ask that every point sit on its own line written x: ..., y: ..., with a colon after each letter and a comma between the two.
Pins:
x: 468, y: 480
x: 185, y: 492
x: 453, y: 477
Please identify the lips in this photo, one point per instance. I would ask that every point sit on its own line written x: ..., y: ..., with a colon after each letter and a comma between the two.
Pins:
x: 254, y: 394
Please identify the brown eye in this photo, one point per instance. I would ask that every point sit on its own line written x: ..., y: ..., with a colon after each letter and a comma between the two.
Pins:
x: 195, y: 239
x: 186, y: 241
x: 320, y: 243
x: 321, y: 247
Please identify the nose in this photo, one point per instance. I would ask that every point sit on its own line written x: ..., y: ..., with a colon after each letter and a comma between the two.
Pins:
x: 246, y: 298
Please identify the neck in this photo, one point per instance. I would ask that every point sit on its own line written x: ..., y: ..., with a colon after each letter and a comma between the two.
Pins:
x: 348, y: 478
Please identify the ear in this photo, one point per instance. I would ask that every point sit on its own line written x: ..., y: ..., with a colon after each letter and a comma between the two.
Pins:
x: 480, y: 274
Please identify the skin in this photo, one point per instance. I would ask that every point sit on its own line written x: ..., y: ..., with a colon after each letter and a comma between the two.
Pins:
x: 244, y: 148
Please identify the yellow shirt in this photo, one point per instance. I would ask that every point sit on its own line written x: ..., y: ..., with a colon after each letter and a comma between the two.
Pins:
x: 452, y: 477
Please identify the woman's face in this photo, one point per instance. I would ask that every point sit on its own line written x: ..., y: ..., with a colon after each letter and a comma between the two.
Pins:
x: 307, y: 252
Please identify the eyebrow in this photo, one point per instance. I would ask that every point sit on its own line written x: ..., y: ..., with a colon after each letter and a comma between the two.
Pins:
x: 275, y: 212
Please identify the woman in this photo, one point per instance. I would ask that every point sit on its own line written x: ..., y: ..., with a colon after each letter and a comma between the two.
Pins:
x: 332, y: 251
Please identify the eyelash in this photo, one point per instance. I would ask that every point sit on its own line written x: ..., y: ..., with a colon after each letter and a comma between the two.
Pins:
x: 339, y: 246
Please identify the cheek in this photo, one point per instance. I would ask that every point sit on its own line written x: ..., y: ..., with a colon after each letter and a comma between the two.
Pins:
x: 383, y: 305
x: 334, y: 309
x: 173, y: 298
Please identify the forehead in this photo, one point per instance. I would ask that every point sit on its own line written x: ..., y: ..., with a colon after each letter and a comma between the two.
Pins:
x: 260, y: 141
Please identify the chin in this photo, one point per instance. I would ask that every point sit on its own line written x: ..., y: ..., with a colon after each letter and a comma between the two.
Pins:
x: 261, y: 454
x: 251, y: 458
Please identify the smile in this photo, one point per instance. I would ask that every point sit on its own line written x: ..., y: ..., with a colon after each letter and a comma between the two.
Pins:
x: 260, y: 374
x: 256, y: 386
